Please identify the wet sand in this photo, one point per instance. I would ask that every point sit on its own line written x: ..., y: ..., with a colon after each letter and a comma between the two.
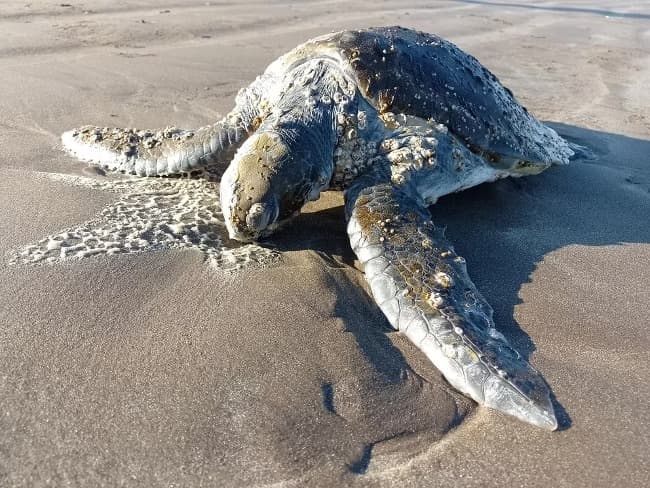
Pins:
x: 154, y: 369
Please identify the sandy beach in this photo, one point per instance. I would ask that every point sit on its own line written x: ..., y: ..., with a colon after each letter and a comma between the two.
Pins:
x: 155, y: 369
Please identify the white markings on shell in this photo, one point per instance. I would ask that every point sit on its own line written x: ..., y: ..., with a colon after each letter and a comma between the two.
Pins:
x: 362, y: 118
x: 435, y: 300
x: 443, y: 279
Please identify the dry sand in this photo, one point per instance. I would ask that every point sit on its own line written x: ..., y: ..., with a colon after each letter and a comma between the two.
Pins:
x: 153, y: 370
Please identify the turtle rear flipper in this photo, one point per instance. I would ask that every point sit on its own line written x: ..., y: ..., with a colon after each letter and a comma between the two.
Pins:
x: 162, y: 152
x: 423, y: 288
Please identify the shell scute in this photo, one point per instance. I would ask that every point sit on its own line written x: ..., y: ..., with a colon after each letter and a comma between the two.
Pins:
x: 420, y: 74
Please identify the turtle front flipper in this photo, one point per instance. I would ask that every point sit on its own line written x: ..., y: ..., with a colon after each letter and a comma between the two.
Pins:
x: 423, y: 288
x: 169, y: 151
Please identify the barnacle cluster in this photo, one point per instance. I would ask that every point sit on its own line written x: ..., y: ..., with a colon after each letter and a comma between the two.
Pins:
x: 128, y: 142
x: 353, y: 153
x: 411, y: 146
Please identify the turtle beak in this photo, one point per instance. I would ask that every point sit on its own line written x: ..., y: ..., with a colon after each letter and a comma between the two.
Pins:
x: 261, y: 216
x: 260, y: 221
x: 247, y: 221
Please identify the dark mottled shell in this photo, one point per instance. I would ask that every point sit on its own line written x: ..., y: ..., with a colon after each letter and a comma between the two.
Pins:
x: 420, y: 74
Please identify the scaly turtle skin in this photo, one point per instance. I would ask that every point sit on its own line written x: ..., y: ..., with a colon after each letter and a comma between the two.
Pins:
x: 396, y: 118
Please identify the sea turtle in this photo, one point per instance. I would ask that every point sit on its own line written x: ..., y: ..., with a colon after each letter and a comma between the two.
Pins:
x: 396, y: 118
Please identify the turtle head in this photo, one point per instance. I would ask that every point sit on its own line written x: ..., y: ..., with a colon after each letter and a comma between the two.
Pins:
x: 268, y: 182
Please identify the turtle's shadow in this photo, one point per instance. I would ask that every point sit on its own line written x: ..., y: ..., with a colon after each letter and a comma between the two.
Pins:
x: 504, y: 229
